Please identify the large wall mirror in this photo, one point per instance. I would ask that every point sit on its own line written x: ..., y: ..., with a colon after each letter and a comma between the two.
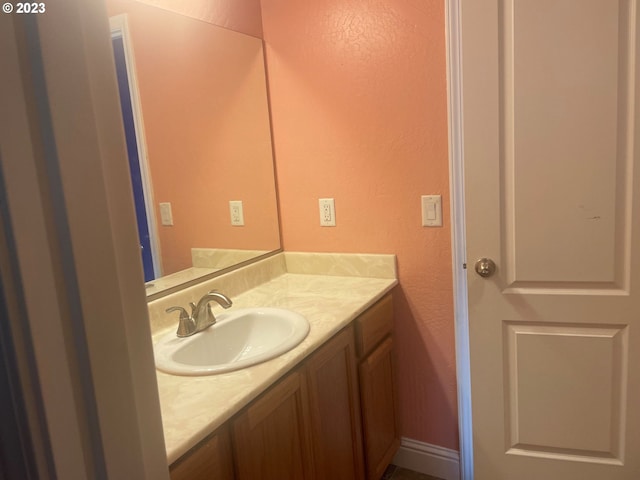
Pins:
x: 200, y: 125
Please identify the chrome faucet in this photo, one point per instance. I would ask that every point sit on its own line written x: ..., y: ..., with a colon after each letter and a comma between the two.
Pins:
x: 201, y: 314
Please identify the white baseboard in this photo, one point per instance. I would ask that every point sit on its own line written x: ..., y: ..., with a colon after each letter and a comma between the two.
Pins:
x: 428, y: 459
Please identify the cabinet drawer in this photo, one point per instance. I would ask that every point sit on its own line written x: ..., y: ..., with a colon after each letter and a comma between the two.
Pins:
x: 373, y: 325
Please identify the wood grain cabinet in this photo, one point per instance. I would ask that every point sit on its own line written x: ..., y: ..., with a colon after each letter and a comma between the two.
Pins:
x: 271, y: 437
x: 377, y: 387
x: 209, y: 460
x: 335, y: 409
x: 333, y: 417
x: 313, y: 410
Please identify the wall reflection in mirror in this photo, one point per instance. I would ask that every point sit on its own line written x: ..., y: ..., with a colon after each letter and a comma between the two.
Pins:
x: 203, y: 138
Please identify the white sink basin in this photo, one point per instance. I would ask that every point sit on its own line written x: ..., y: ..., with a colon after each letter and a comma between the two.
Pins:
x: 238, y: 339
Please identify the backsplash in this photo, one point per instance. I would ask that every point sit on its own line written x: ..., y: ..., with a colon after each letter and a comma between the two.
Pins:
x: 341, y: 264
x: 239, y: 281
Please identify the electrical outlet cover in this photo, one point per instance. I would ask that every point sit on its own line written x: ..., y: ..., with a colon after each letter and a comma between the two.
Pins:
x: 237, y: 213
x: 327, y: 212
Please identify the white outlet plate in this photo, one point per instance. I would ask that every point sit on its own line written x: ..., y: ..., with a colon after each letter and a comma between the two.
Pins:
x: 327, y: 212
x: 166, y: 216
x: 236, y: 212
x: 431, y: 210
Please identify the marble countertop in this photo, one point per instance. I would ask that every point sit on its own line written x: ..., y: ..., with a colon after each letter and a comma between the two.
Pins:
x: 193, y: 407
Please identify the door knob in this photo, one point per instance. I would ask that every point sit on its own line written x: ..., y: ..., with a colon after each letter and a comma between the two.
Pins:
x: 485, y: 267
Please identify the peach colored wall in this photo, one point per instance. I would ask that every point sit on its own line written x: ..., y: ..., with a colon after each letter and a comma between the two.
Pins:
x: 359, y: 113
x: 205, y: 111
x: 238, y: 15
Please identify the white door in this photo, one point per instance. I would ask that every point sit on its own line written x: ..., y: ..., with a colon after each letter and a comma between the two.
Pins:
x: 551, y: 139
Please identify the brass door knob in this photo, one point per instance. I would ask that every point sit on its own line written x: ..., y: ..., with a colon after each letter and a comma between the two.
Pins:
x: 485, y: 267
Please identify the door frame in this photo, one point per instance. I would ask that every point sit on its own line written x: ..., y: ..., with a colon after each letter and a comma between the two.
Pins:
x: 65, y: 156
x: 120, y: 29
x: 458, y: 234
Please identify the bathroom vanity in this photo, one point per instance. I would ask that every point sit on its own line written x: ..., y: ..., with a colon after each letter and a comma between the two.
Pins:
x: 325, y: 409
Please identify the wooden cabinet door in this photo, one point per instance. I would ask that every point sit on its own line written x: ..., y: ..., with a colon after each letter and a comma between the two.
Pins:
x: 378, y: 402
x: 335, y: 412
x: 271, y: 437
x: 210, y: 460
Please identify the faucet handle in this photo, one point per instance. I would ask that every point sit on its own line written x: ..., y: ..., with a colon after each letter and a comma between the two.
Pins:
x: 187, y: 325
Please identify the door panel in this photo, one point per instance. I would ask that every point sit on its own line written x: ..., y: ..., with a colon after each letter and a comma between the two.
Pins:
x: 561, y: 402
x: 551, y: 127
x: 564, y: 94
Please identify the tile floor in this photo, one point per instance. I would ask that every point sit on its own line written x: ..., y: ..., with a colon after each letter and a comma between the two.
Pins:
x: 397, y: 473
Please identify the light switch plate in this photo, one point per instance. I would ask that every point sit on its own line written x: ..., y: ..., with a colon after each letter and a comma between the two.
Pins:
x: 166, y: 216
x: 431, y: 210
